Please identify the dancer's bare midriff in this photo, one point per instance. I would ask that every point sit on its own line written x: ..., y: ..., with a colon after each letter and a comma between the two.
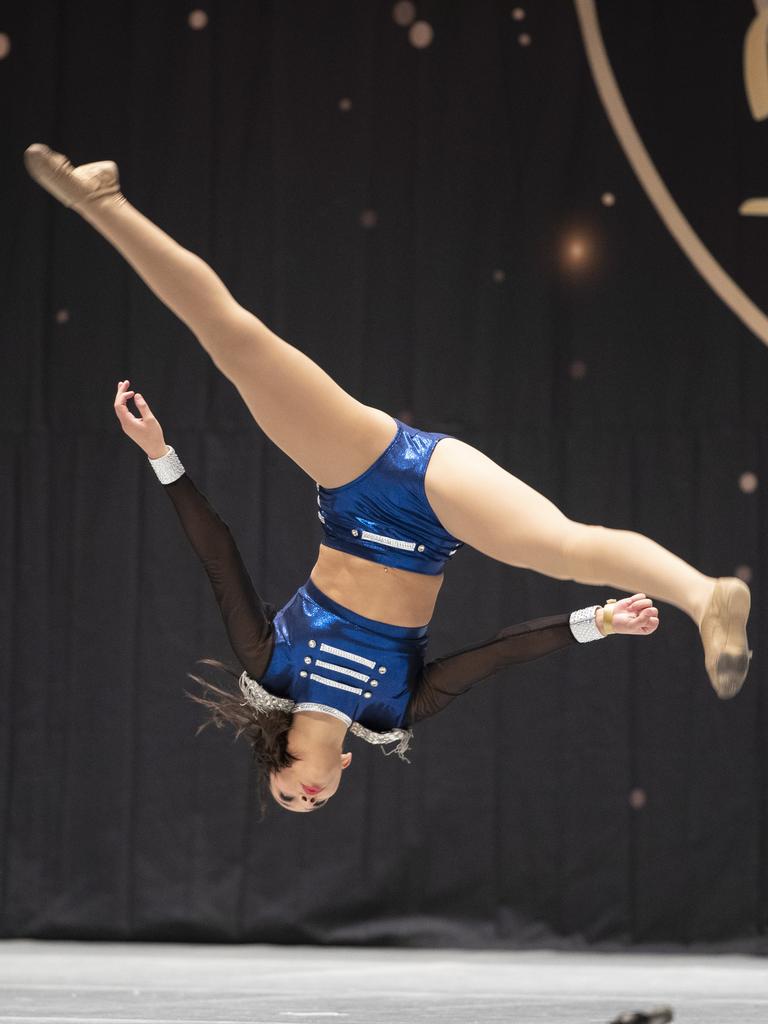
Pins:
x: 381, y: 592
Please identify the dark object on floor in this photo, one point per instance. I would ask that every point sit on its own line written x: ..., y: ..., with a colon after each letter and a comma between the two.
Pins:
x: 661, y: 1015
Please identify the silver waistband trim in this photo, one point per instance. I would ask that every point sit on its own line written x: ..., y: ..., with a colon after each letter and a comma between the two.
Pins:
x: 327, y: 649
x: 403, y: 545
x: 344, y: 670
x: 327, y: 710
x: 334, y: 684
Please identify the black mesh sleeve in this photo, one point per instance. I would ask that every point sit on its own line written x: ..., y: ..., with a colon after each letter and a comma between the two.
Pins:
x: 446, y: 678
x: 247, y: 618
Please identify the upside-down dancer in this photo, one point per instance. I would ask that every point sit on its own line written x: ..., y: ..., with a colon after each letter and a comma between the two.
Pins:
x: 347, y: 651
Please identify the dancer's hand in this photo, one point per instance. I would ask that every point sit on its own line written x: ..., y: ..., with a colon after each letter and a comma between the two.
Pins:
x: 143, y: 429
x: 634, y: 616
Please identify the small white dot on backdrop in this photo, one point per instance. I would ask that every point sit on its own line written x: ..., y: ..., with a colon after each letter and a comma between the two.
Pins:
x: 518, y: 13
x: 748, y: 482
x: 369, y: 219
x: 62, y: 316
x: 638, y: 798
x: 499, y: 276
x: 421, y: 34
x: 197, y: 19
x: 345, y: 103
x: 5, y: 45
x: 404, y: 12
x: 524, y: 39
x: 578, y: 369
x: 608, y: 199
x: 744, y: 572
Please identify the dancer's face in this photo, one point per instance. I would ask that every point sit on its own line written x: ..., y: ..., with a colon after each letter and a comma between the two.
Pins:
x: 312, y: 779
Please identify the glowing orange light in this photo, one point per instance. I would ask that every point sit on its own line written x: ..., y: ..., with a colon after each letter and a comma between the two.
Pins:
x: 576, y: 251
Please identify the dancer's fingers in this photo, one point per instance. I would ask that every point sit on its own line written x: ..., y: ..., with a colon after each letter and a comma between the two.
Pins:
x: 141, y: 405
x: 647, y: 613
x: 125, y: 415
x: 649, y: 621
x: 643, y: 622
x: 122, y: 389
x: 121, y: 400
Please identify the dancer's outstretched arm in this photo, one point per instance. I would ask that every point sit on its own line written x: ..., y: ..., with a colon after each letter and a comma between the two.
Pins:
x: 247, y: 617
x: 331, y: 435
x: 444, y: 679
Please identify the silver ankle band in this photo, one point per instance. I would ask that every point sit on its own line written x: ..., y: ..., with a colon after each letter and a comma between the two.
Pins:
x: 168, y: 467
x: 583, y: 627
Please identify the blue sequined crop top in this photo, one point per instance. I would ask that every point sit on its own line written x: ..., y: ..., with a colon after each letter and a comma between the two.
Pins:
x: 384, y: 514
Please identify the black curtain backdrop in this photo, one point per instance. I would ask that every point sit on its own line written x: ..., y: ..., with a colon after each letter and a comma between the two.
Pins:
x: 432, y: 226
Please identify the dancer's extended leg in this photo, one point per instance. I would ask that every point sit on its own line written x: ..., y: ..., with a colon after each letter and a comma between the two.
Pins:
x: 485, y: 506
x: 328, y: 433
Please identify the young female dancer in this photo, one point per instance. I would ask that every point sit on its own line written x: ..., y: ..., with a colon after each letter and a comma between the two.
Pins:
x: 396, y: 503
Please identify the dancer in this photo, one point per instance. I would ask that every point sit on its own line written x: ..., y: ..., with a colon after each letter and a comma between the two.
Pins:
x: 395, y: 502
x: 314, y: 658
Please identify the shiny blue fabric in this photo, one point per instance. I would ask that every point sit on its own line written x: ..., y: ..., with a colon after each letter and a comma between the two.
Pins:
x: 311, y: 621
x: 388, y: 501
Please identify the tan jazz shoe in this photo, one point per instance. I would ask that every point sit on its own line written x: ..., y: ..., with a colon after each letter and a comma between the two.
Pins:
x: 724, y: 635
x: 71, y: 185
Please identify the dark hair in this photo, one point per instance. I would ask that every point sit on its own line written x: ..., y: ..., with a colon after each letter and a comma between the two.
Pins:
x: 266, y: 731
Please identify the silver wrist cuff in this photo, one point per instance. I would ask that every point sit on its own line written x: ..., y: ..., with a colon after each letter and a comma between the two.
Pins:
x: 168, y: 467
x: 583, y: 626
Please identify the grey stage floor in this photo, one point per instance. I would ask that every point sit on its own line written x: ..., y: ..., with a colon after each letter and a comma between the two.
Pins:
x: 49, y: 982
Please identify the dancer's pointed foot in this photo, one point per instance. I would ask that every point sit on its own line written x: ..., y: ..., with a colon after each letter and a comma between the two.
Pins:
x: 71, y: 185
x: 724, y: 635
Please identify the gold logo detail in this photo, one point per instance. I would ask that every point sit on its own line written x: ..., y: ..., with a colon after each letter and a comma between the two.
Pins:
x: 756, y: 84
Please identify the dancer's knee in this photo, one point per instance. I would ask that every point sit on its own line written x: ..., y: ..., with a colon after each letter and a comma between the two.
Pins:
x: 230, y: 335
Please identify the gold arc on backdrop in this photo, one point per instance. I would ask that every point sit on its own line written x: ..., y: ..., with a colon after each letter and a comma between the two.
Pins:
x: 647, y: 174
x: 756, y: 88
